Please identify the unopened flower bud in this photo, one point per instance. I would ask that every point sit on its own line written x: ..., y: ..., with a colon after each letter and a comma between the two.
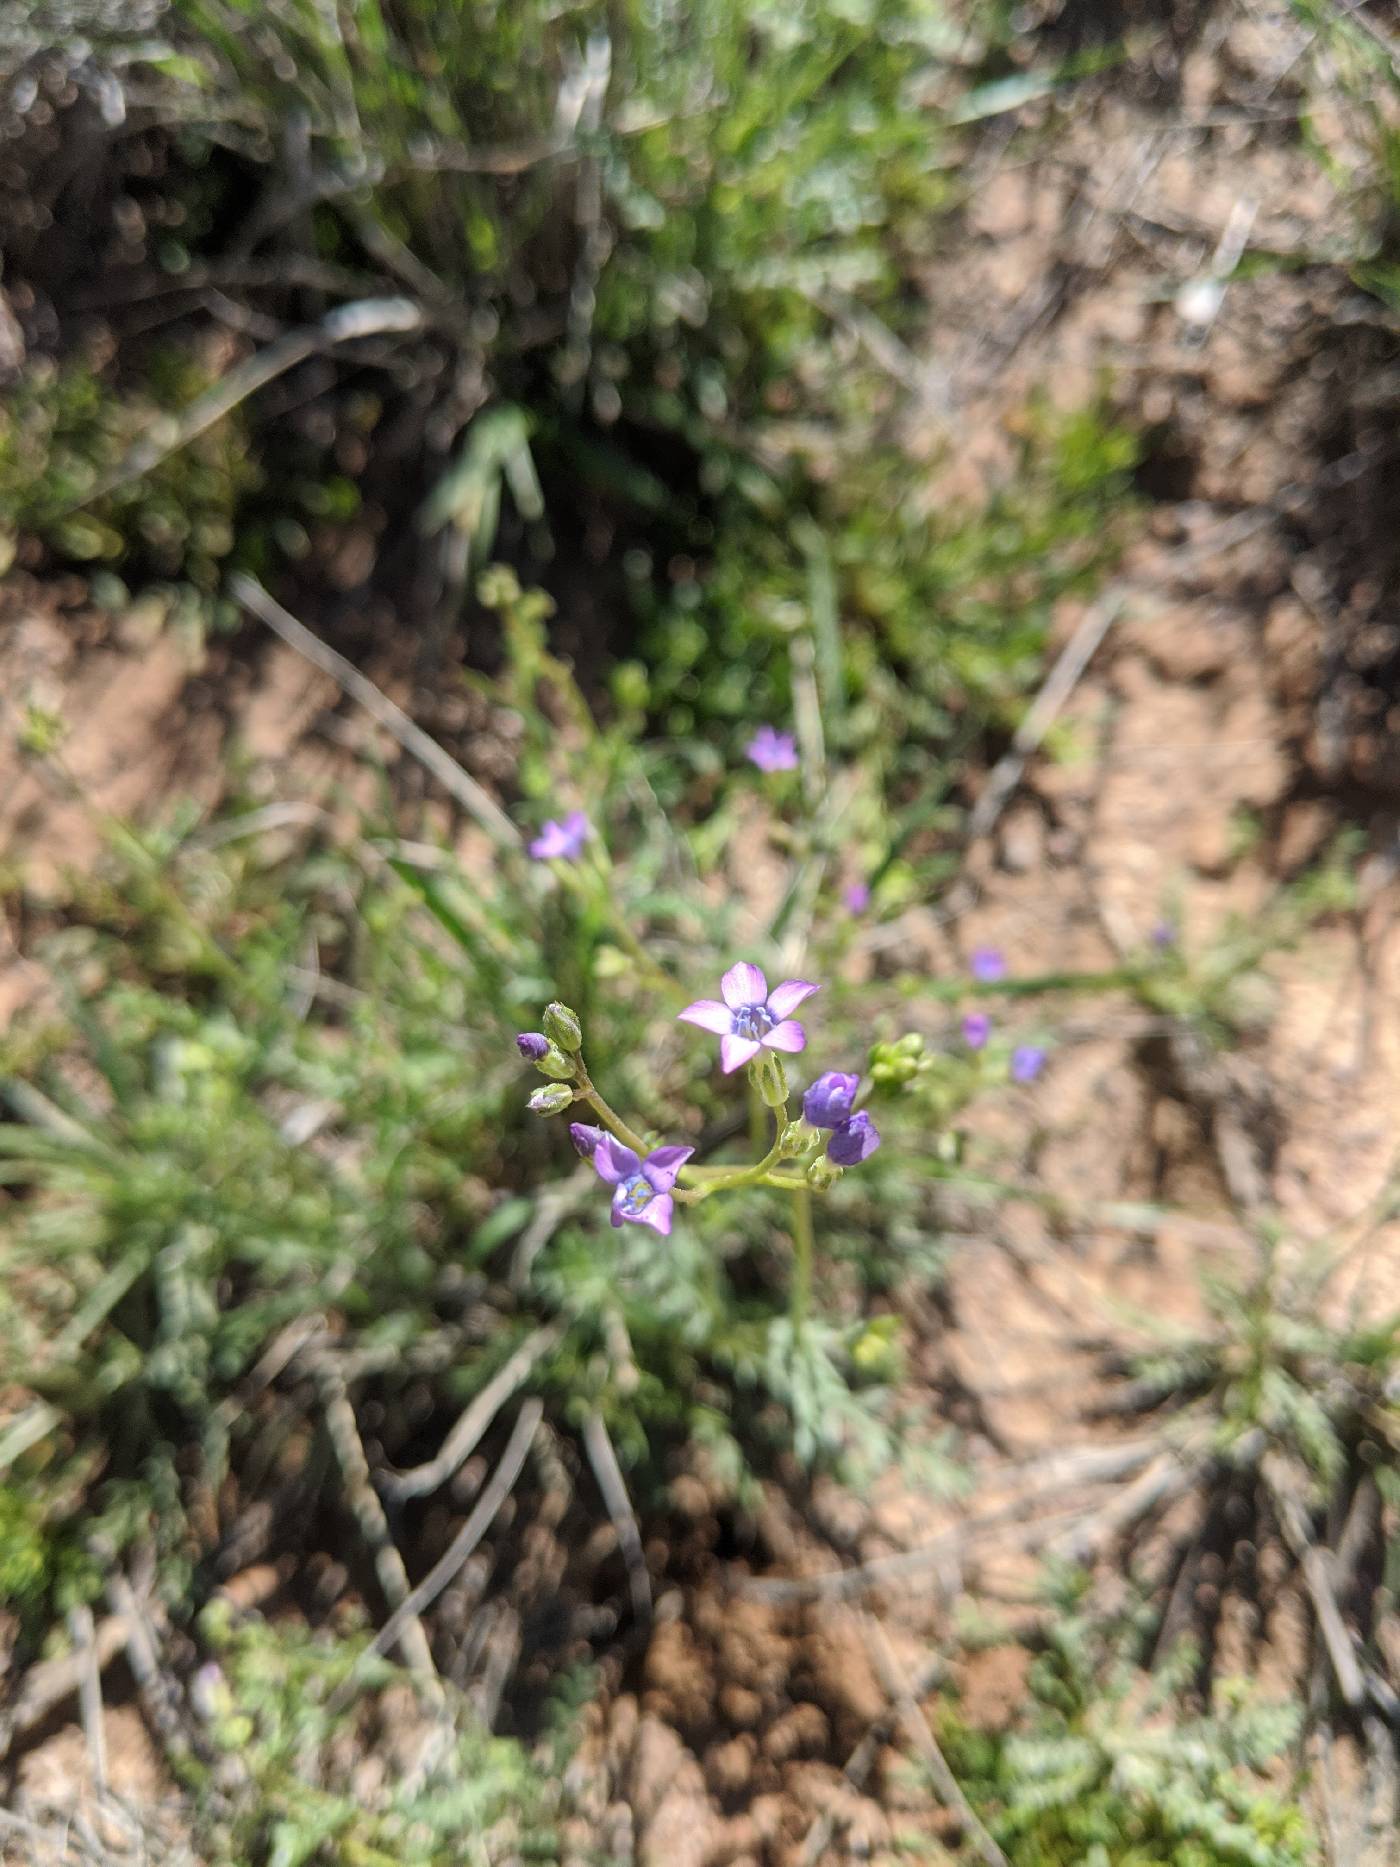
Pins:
x: 532, y: 1045
x: 822, y: 1174
x: 796, y: 1138
x: 551, y: 1100
x: 563, y: 1026
x: 585, y: 1138
x: 910, y: 1045
x: 556, y: 1065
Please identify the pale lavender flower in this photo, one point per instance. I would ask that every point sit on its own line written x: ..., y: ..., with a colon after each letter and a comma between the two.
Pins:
x: 857, y: 897
x: 585, y: 1138
x: 1027, y: 1061
x: 976, y: 1029
x: 532, y: 1045
x: 854, y: 1141
x: 642, y: 1188
x: 751, y: 1017
x: 771, y: 750
x: 1163, y: 934
x: 830, y: 1099
x: 562, y: 841
x: 987, y: 965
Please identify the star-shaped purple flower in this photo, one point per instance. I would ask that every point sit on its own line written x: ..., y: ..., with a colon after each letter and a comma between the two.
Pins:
x: 751, y: 1018
x: 976, y: 1029
x: 771, y: 750
x: 1027, y: 1061
x: 562, y: 841
x: 642, y: 1188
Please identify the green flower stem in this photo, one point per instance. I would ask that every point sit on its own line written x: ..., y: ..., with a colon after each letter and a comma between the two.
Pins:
x: 757, y: 1117
x: 803, y: 1248
x: 611, y: 1120
x: 593, y: 885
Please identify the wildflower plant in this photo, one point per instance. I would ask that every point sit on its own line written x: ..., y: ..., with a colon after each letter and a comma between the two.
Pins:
x: 804, y: 1153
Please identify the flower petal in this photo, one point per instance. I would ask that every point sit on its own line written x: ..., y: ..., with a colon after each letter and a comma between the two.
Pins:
x: 743, y: 984
x: 854, y: 1141
x: 709, y: 1014
x: 656, y: 1213
x: 619, y: 1210
x: 734, y: 1052
x: 614, y: 1162
x: 789, y: 1035
x: 784, y: 999
x: 663, y: 1164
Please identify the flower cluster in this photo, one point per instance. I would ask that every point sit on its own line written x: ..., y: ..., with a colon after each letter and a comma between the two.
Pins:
x: 988, y: 967
x: 756, y: 1027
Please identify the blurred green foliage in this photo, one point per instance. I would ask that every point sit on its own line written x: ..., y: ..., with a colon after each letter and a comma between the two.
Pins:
x: 1099, y: 1771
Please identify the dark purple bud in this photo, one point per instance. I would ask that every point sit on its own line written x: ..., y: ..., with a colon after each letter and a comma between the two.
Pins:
x: 532, y: 1045
x: 976, y: 1029
x: 1027, y: 1061
x: 585, y: 1138
x: 830, y: 1099
x: 854, y: 1141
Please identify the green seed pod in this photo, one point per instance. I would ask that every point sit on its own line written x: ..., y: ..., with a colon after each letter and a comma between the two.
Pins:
x: 823, y: 1174
x: 771, y: 1077
x: 551, y: 1100
x: 556, y: 1065
x: 563, y: 1027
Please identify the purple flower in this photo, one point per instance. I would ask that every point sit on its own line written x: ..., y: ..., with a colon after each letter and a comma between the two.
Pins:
x: 1163, y: 934
x: 857, y: 897
x: 532, y: 1045
x: 827, y: 1104
x: 854, y: 1141
x: 771, y: 750
x: 562, y: 842
x: 585, y: 1138
x: 987, y: 964
x: 642, y: 1194
x: 976, y: 1029
x: 751, y: 1017
x: 1027, y: 1061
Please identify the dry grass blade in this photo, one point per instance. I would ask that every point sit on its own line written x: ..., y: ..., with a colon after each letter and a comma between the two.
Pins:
x: 48, y: 1683
x: 611, y: 1483
x: 457, y: 783
x: 366, y: 317
x: 502, y: 1483
x: 466, y: 1435
x: 374, y: 1525
x: 1316, y: 1566
x: 895, y: 1681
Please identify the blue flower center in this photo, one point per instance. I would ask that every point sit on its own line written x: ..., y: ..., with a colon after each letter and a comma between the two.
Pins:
x: 637, y: 1192
x: 752, y: 1021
